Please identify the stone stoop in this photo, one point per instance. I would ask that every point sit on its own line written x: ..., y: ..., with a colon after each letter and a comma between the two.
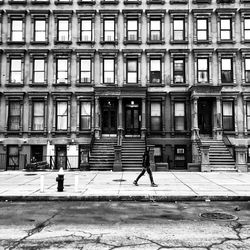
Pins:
x: 132, y: 154
x: 102, y: 154
x: 220, y: 157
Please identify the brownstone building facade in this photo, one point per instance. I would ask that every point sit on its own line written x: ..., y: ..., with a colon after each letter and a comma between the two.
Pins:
x: 173, y: 74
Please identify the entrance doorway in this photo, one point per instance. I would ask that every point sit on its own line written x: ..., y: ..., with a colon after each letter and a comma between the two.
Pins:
x: 205, y: 107
x: 61, y: 157
x: 109, y: 116
x: 132, y: 118
x: 36, y: 153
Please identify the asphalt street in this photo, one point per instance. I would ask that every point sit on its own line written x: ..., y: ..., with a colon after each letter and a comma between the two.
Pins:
x: 124, y: 225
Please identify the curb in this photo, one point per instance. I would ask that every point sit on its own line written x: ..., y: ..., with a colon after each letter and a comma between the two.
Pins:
x: 125, y: 198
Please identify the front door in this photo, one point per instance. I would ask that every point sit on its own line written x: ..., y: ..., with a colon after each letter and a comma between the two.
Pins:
x: 109, y: 116
x: 132, y: 118
x: 205, y: 107
x: 61, y: 157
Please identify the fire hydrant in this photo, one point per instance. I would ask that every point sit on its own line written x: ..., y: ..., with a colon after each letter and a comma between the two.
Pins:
x: 60, y: 179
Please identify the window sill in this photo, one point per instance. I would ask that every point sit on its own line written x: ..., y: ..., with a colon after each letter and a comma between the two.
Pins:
x: 14, y: 132
x: 15, y: 85
x: 156, y: 2
x: 86, y: 42
x: 44, y: 133
x: 110, y: 2
x: 40, y: 2
x: 179, y: 42
x: 201, y: 1
x: 132, y: 2
x: 226, y: 41
x: 15, y: 42
x: 178, y: 1
x: 155, y: 85
x: 62, y: 132
x: 86, y: 2
x: 225, y: 2
x: 39, y: 43
x: 246, y: 40
x: 65, y: 2
x: 63, y: 42
x: 203, y: 42
x: 155, y: 42
x: 179, y: 85
x: 132, y: 42
x: 18, y: 2
x: 38, y: 85
x: 82, y: 132
x: 109, y: 42
x: 229, y: 84
x: 61, y: 85
x: 84, y: 85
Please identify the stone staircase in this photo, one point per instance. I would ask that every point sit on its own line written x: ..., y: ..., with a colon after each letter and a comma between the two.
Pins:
x: 102, y: 154
x: 220, y: 157
x: 132, y: 153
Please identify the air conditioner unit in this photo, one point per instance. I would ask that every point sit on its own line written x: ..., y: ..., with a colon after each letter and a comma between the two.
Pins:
x: 179, y: 79
x: 61, y: 80
x: 155, y: 37
x: 38, y: 127
x: 108, y: 80
x: 132, y: 37
x: 109, y: 38
x: 86, y: 38
x: 63, y: 38
x: 85, y: 79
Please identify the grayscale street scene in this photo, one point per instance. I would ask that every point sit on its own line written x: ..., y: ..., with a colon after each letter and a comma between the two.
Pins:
x: 125, y: 124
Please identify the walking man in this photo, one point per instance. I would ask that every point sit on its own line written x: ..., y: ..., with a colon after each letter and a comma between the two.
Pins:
x: 146, y: 167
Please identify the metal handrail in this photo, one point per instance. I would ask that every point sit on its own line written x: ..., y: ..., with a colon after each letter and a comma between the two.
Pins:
x: 92, y: 141
x: 231, y: 146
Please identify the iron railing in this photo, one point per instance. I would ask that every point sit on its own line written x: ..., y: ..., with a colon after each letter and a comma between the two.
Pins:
x: 13, y: 162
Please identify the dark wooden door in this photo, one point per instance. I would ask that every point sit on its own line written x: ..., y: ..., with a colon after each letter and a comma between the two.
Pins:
x: 132, y: 119
x: 109, y: 117
x: 205, y: 116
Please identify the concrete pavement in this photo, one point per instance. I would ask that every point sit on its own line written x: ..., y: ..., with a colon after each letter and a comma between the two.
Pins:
x: 106, y: 186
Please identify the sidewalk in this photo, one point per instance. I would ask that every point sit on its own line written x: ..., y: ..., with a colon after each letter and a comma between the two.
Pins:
x: 107, y: 186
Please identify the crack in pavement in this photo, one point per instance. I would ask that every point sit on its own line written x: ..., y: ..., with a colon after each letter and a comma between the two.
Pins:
x: 37, y: 229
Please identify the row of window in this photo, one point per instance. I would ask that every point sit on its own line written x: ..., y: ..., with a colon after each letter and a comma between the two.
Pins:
x: 156, y: 73
x: 38, y: 116
x: 132, y: 26
x: 92, y: 2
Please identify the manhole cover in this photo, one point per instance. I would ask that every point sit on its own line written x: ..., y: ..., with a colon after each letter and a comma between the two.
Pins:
x: 119, y: 180
x: 218, y: 216
x: 30, y: 174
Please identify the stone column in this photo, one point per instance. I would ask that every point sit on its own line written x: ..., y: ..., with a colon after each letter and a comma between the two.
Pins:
x: 143, y: 118
x: 205, y: 164
x: 241, y: 158
x: 97, y: 118
x: 195, y: 117
x: 218, y: 119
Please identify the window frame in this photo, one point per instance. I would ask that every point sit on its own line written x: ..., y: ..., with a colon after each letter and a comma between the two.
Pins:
x: 226, y: 14
x: 132, y: 15
x: 62, y: 15
x: 159, y: 117
x: 176, y: 15
x: 248, y: 115
x: 19, y: 116
x: 88, y: 116
x: 232, y: 125
x: 176, y: 117
x: 85, y: 15
x: 33, y: 116
x: 58, y: 116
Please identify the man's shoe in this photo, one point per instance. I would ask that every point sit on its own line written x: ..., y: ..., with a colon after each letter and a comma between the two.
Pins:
x: 154, y: 185
x: 135, y: 183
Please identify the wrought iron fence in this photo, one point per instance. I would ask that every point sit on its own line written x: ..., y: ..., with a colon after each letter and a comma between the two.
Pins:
x: 55, y: 162
x: 13, y: 162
